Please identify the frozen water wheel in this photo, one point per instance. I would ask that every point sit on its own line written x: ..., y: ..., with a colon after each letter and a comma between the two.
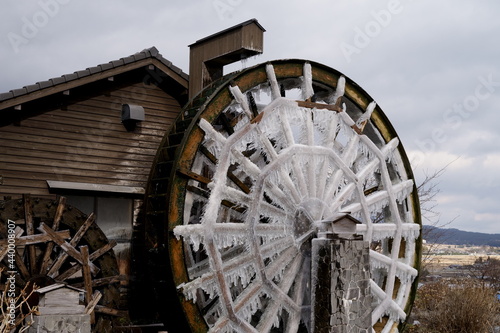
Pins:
x: 262, y: 157
x: 52, y: 240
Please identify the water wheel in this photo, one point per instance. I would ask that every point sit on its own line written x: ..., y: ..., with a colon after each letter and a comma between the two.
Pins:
x: 52, y: 241
x: 246, y: 175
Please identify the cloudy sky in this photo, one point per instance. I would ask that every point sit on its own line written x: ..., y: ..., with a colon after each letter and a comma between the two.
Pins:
x: 433, y: 67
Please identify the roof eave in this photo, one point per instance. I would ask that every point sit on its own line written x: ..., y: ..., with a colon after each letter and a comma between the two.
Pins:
x: 71, y: 81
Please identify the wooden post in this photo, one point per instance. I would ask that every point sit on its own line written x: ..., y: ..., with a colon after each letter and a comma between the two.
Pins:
x: 87, y: 279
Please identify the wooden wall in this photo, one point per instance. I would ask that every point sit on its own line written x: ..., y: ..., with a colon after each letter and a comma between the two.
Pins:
x: 84, y: 140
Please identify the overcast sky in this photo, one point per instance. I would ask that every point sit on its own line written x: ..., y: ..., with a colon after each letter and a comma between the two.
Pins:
x: 432, y: 66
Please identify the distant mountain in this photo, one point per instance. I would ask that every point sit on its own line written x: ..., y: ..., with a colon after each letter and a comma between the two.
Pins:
x: 459, y: 237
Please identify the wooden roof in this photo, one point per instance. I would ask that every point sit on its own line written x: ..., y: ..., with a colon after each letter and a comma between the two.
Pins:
x: 225, y: 31
x: 150, y: 56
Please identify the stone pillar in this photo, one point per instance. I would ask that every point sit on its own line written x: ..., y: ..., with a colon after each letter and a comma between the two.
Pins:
x: 321, y: 290
x: 341, y: 297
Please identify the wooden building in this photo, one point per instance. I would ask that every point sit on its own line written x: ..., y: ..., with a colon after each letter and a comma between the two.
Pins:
x: 92, y: 136
x: 66, y: 136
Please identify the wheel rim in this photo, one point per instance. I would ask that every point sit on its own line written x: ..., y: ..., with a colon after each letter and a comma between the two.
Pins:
x: 253, y: 179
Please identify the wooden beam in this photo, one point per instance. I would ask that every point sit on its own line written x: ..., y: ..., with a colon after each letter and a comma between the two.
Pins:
x: 22, y: 267
x: 313, y: 105
x: 60, y: 185
x: 110, y: 311
x: 55, y: 225
x: 69, y: 272
x: 87, y: 278
x: 96, y: 296
x: 230, y: 175
x: 68, y: 250
x: 30, y: 230
x: 103, y: 281
x: 38, y: 238
x: 194, y: 176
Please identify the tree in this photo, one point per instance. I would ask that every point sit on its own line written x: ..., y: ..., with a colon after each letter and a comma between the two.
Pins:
x: 427, y: 191
x: 487, y: 271
x: 456, y: 306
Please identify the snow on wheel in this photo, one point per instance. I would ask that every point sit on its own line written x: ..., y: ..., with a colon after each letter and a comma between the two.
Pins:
x: 269, y: 154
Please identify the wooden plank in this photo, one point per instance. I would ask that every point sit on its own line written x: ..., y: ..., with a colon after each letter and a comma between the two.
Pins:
x: 103, y: 281
x: 83, y: 229
x: 68, y: 155
x: 35, y: 239
x: 164, y: 114
x: 312, y: 105
x: 56, y: 133
x: 61, y: 204
x: 96, y: 296
x: 25, y: 274
x: 54, y: 184
x: 30, y: 230
x: 230, y: 175
x: 118, y: 173
x: 112, y: 129
x: 96, y: 254
x: 153, y: 122
x: 100, y: 134
x: 109, y: 311
x: 87, y: 278
x: 80, y: 162
x: 74, y: 241
x: 40, y: 176
x: 68, y: 250
x: 103, y: 250
x: 45, y: 143
x: 194, y: 176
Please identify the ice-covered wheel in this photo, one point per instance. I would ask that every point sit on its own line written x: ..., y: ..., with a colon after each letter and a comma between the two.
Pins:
x: 247, y: 174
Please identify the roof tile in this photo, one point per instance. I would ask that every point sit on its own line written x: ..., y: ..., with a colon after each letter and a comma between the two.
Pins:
x: 117, y: 63
x: 83, y: 73
x: 57, y: 80
x: 153, y: 51
x: 139, y: 56
x: 19, y: 92
x: 128, y: 60
x: 106, y: 66
x: 6, y: 95
x: 32, y: 87
x: 70, y: 77
x: 146, y: 53
x: 93, y: 70
x: 45, y: 84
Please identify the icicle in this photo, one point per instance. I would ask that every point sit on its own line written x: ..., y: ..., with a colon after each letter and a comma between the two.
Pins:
x: 345, y: 117
x: 275, y: 89
x: 332, y: 99
x: 307, y: 88
x: 367, y: 114
x: 241, y: 99
x: 214, y: 141
x: 403, y: 189
x: 193, y: 233
x: 389, y: 148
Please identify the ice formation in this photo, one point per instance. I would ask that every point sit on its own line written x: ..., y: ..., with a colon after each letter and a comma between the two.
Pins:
x: 297, y: 166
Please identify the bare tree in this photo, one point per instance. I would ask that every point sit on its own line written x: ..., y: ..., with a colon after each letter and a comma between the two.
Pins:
x: 428, y: 191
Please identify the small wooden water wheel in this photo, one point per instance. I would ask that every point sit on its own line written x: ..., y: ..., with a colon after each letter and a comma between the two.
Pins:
x: 246, y: 176
x: 57, y: 243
